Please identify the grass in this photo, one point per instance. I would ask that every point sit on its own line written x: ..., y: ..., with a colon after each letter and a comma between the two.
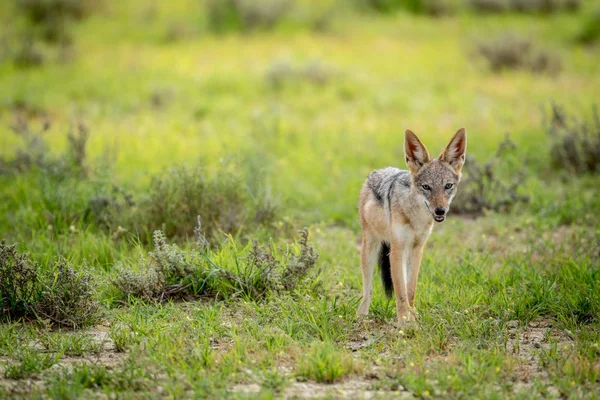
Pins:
x: 262, y: 133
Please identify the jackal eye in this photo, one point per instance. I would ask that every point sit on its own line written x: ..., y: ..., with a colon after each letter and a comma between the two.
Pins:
x: 449, y: 185
x: 426, y: 187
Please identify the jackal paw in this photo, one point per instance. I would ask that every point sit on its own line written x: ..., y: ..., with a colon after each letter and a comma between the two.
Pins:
x: 405, y: 318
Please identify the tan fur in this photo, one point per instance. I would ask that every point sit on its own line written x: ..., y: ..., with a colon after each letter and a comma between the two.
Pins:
x: 401, y: 213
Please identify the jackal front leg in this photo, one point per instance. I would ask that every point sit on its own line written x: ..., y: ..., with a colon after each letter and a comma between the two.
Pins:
x: 399, y: 279
x: 415, y: 255
x: 368, y: 258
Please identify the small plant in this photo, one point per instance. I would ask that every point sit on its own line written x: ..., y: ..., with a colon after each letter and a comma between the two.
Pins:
x: 481, y: 189
x: 274, y: 381
x: 325, y: 364
x: 19, y: 282
x: 245, y: 15
x: 510, y: 51
x: 67, y: 297
x: 122, y: 336
x: 298, y: 267
x: 70, y: 344
x: 574, y: 145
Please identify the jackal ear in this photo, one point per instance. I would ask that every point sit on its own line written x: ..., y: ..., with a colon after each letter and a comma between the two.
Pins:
x: 454, y: 154
x: 415, y: 152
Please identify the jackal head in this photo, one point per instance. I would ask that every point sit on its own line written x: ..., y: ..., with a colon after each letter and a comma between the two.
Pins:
x: 435, y: 181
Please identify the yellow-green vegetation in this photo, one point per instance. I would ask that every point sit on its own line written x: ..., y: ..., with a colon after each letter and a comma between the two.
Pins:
x: 159, y: 161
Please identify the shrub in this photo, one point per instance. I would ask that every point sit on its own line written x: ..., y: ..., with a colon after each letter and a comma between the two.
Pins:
x: 245, y: 15
x: 58, y: 293
x: 168, y: 271
x: 68, y: 297
x: 510, y: 51
x: 574, y: 145
x: 19, y: 282
x: 590, y: 30
x: 172, y: 272
x: 482, y: 189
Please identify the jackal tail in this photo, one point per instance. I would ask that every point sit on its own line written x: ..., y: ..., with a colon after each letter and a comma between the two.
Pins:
x: 385, y: 269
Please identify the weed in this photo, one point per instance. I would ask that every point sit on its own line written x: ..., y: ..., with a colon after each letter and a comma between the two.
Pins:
x: 482, y: 189
x: 509, y: 51
x: 68, y: 297
x: 574, y: 145
x: 325, y: 364
x: 19, y: 282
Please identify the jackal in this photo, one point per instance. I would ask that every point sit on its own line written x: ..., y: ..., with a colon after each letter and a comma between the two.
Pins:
x: 397, y: 209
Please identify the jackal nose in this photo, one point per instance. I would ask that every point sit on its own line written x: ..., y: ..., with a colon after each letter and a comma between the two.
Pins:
x: 440, y: 211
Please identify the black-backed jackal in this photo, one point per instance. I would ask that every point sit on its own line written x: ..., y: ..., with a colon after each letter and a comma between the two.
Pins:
x: 397, y: 209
